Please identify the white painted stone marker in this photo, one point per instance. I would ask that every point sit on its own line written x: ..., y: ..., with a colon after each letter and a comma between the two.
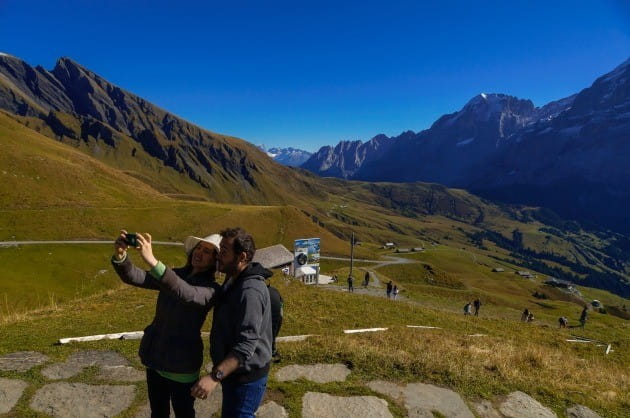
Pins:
x: 356, y: 331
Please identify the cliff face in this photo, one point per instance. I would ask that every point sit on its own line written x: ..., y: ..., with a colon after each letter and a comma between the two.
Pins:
x: 569, y: 155
x: 77, y: 104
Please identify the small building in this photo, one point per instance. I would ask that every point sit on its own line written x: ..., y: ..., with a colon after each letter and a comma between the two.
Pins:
x: 276, y: 256
x: 526, y: 274
x: 562, y: 284
x: 389, y: 245
x: 417, y: 249
x: 498, y: 270
x: 306, y: 274
x: 403, y: 250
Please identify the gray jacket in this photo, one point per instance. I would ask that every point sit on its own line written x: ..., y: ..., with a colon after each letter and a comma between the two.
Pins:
x: 172, y: 342
x: 241, y: 324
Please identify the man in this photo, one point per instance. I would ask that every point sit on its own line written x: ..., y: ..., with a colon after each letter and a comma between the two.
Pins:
x: 350, y: 284
x: 584, y: 316
x: 477, y: 305
x: 241, y: 336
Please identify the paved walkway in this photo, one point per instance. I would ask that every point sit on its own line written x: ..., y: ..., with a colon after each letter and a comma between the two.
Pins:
x: 115, y: 388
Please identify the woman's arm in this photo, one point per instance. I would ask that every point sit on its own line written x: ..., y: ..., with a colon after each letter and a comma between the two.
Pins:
x: 169, y: 281
x: 187, y: 293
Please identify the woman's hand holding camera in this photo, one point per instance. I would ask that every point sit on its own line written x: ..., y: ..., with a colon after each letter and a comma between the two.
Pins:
x: 121, y: 245
x: 139, y: 241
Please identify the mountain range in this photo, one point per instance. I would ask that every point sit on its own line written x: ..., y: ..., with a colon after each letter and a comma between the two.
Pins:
x: 569, y: 155
x: 165, y: 157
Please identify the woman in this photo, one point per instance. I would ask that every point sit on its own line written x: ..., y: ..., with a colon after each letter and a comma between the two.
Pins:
x: 171, y: 348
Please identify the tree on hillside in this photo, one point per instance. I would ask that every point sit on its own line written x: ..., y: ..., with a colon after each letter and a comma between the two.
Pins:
x: 517, y: 240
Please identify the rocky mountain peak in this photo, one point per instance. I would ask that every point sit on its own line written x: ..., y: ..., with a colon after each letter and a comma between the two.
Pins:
x: 610, y: 92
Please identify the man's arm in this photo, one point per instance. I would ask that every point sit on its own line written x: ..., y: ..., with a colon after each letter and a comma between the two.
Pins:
x: 208, y: 383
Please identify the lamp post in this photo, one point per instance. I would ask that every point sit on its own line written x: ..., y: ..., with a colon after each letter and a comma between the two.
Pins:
x: 352, y: 241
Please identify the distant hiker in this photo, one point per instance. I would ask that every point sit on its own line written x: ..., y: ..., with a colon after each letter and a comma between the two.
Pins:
x: 171, y: 348
x: 366, y: 281
x: 468, y: 308
x: 390, y: 287
x: 277, y: 313
x: 525, y: 315
x: 584, y: 316
x: 395, y: 292
x: 563, y: 321
x: 350, y: 284
x: 477, y: 305
x: 530, y: 317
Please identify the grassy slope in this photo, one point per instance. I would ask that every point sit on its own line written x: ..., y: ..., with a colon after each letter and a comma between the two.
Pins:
x: 93, y: 200
x: 530, y: 357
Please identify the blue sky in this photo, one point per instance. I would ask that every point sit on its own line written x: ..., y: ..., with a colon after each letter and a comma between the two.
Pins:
x: 312, y: 73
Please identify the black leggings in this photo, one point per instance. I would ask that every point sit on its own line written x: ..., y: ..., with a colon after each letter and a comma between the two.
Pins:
x: 163, y: 390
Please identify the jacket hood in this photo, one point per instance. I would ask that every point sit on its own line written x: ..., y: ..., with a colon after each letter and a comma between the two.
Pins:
x: 256, y: 269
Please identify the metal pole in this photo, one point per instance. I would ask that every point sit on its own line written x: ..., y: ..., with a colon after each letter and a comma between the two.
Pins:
x: 351, y: 252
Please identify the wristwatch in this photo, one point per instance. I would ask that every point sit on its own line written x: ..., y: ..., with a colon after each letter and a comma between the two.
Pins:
x: 216, y: 375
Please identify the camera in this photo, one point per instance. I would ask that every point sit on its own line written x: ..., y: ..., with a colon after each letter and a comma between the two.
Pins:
x: 131, y: 240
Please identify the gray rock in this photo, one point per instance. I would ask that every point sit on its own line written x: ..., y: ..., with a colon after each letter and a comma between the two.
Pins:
x: 429, y: 397
x: 203, y: 407
x: 319, y: 373
x: 10, y: 392
x: 521, y: 405
x: 420, y: 399
x: 79, y: 400
x: 82, y: 359
x: 324, y: 405
x: 417, y: 412
x: 272, y: 410
x: 392, y: 390
x: 121, y: 374
x: 485, y: 409
x: 22, y: 361
x: 581, y: 411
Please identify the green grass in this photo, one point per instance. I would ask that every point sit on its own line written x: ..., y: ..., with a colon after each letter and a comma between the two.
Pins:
x: 46, y: 276
x: 54, y: 191
x: 530, y: 357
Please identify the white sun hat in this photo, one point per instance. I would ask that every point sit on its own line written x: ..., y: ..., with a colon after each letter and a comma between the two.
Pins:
x: 191, y: 242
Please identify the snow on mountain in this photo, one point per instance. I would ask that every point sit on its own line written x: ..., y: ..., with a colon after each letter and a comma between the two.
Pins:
x: 292, y: 157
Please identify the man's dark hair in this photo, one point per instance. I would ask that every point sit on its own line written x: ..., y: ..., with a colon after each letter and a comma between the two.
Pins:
x: 243, y: 241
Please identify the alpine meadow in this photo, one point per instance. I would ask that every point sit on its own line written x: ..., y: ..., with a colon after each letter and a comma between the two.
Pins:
x: 82, y: 158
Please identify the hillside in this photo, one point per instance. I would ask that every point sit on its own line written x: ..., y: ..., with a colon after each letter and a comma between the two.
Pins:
x: 184, y: 162
x: 482, y: 358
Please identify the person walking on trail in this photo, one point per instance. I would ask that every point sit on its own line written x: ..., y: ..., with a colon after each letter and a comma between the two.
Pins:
x: 390, y: 287
x: 171, y: 348
x: 563, y: 321
x: 395, y: 292
x: 584, y: 316
x: 525, y: 315
x: 477, y: 305
x: 366, y: 280
x: 350, y: 284
x: 468, y: 308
